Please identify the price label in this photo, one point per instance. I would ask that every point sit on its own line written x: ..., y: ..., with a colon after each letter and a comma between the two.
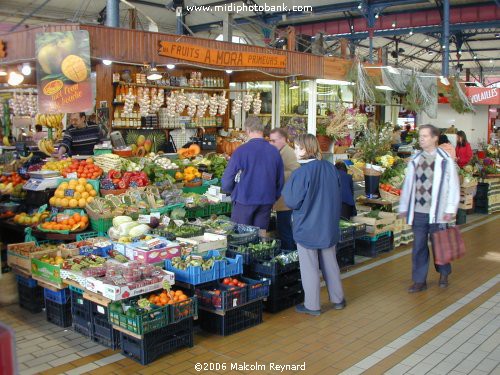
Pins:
x: 54, y: 211
x: 206, y: 176
x: 165, y: 220
x: 155, y: 214
x: 42, y: 209
x: 72, y: 175
x: 101, y: 309
x: 144, y: 219
x: 179, y: 222
x: 69, y: 192
x: 189, y: 200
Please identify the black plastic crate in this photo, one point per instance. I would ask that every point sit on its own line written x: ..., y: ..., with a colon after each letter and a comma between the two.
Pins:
x: 359, y: 230
x: 256, y: 289
x: 80, y: 307
x: 372, y: 246
x: 346, y: 234
x: 82, y: 326
x: 158, y: 343
x: 232, y: 321
x: 276, y: 304
x: 272, y: 269
x: 58, y: 314
x: 102, y: 331
x: 345, y: 253
x: 31, y: 298
x: 249, y: 256
x: 217, y: 296
x: 280, y: 280
x: 243, y: 234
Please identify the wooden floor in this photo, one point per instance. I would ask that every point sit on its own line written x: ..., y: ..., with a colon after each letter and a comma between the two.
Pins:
x: 379, y: 310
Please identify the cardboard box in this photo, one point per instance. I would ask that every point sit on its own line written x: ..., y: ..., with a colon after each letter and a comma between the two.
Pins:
x: 374, y: 226
x: 142, y: 253
x: 119, y: 292
x: 207, y: 242
x: 50, y: 273
x: 19, y: 255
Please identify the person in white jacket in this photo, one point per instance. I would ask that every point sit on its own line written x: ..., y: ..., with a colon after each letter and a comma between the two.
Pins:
x: 429, y: 199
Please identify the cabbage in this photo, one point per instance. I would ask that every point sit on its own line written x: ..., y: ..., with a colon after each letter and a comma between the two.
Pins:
x: 120, y: 220
x: 125, y: 228
x: 139, y: 230
x: 113, y: 233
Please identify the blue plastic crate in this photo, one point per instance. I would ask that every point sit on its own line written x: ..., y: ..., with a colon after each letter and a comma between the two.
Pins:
x: 93, y: 250
x: 195, y: 275
x: 61, y: 297
x: 26, y: 281
x: 256, y: 288
x: 231, y: 266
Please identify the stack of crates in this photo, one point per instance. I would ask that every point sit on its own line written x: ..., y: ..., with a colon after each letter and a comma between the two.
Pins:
x: 102, y: 332
x: 286, y: 285
x: 345, y: 247
x: 80, y: 309
x: 58, y: 307
x: 371, y: 246
x: 30, y: 294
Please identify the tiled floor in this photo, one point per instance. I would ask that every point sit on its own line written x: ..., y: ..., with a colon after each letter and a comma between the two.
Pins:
x: 382, y: 330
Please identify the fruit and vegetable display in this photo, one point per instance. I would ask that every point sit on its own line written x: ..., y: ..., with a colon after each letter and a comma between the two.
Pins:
x: 390, y: 189
x: 165, y: 298
x: 83, y: 169
x: 57, y: 260
x: 189, y: 175
x: 66, y: 222
x: 284, y: 258
x: 183, y: 263
x: 141, y: 144
x: 90, y: 265
x: 257, y: 249
x: 133, y: 274
x: 11, y: 184
x: 73, y: 193
x: 125, y: 228
x: 24, y: 218
x: 123, y: 180
x: 192, y: 151
x: 161, y: 161
x: 58, y: 166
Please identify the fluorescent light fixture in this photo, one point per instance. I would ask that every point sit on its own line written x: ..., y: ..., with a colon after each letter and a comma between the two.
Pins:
x: 26, y: 69
x: 427, y: 40
x: 15, y: 79
x: 460, y: 52
x: 107, y: 62
x: 392, y: 69
x: 384, y: 88
x: 229, y: 71
x: 360, y: 5
x: 394, y: 24
x: 153, y: 74
x: 3, y: 73
x: 293, y: 86
x: 444, y: 81
x: 444, y: 47
x: 170, y: 66
x: 411, y: 32
x: 232, y: 84
x: 333, y: 82
x: 377, y: 15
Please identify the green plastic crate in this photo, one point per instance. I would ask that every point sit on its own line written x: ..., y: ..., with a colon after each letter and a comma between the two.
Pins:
x: 102, y: 152
x: 101, y: 225
x: 197, y: 189
x: 156, y: 318
x: 222, y: 208
x: 166, y: 209
x: 195, y: 212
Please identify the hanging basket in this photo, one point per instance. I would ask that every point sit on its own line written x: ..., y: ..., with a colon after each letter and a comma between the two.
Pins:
x: 324, y: 142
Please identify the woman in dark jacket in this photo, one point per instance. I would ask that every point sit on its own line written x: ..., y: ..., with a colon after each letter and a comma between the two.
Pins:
x: 313, y: 193
x: 348, y: 205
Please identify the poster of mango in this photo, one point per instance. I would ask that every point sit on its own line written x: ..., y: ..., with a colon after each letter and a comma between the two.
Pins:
x: 63, y: 72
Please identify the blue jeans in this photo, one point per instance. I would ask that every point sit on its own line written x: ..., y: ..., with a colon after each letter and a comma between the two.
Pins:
x: 284, y: 226
x: 420, y: 254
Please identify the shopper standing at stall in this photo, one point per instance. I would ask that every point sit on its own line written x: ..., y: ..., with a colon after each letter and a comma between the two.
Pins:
x: 430, y: 197
x: 463, y: 150
x: 445, y: 144
x: 80, y: 138
x: 279, y: 139
x: 254, y: 176
x: 313, y: 193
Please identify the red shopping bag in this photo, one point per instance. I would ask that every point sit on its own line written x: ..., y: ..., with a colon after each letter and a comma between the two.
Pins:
x: 447, y: 245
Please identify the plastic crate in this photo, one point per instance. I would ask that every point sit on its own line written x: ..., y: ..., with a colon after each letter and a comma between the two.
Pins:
x: 80, y: 307
x: 243, y: 234
x: 223, y: 208
x: 276, y: 303
x: 102, y: 331
x: 228, y: 297
x: 273, y: 268
x: 250, y: 256
x: 26, y: 281
x: 346, y: 234
x: 195, y: 275
x: 197, y: 231
x: 231, y: 266
x: 232, y: 321
x: 279, y: 281
x: 61, y: 297
x: 359, y: 230
x: 372, y: 246
x: 101, y: 225
x: 87, y: 235
x: 193, y: 213
x: 82, y: 326
x: 142, y: 323
x: 58, y: 314
x: 256, y: 289
x: 183, y: 310
x: 158, y: 343
x: 166, y: 209
x: 30, y: 298
x: 345, y: 253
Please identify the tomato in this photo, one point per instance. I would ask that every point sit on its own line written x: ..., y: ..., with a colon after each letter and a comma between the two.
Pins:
x: 227, y: 281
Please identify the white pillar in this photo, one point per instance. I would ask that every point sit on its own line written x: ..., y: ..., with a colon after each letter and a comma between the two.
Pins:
x: 312, y: 100
x: 275, y: 117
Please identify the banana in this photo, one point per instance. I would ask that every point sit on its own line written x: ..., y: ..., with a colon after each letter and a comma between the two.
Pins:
x: 6, y: 141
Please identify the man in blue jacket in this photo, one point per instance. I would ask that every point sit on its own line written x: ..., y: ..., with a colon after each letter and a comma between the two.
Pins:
x: 254, y: 176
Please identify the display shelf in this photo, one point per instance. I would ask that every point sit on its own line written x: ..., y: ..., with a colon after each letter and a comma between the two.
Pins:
x: 188, y: 88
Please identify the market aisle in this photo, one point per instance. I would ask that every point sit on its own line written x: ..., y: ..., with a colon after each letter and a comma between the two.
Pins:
x: 379, y: 312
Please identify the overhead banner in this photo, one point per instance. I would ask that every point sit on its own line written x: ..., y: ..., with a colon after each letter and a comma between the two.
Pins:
x: 195, y: 53
x: 483, y: 95
x: 63, y: 72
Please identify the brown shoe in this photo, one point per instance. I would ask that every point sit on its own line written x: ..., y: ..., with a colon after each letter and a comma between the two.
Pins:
x: 443, y: 281
x: 417, y: 287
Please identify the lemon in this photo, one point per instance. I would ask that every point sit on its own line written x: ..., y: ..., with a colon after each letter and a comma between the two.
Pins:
x: 89, y: 187
x: 65, y: 202
x: 52, y: 201
x: 82, y: 181
x: 82, y: 203
x: 85, y: 195
x: 73, y: 203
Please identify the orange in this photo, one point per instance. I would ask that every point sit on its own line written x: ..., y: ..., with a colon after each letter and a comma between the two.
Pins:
x: 84, y: 219
x: 89, y: 188
x: 59, y: 193
x: 80, y: 188
x: 71, y: 222
x: 178, y: 292
x: 89, y: 199
x: 182, y: 297
x: 77, y: 196
x: 76, y: 217
x: 92, y: 193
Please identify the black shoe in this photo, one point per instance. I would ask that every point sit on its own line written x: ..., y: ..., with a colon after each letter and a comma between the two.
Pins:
x: 417, y: 287
x: 340, y: 305
x: 443, y: 281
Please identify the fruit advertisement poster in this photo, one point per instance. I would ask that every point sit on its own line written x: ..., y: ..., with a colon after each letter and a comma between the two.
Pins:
x: 63, y: 72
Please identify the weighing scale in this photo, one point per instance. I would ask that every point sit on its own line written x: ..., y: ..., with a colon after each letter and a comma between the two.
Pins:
x: 40, y: 187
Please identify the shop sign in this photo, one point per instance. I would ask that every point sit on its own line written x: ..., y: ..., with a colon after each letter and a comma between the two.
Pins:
x: 483, y: 95
x: 63, y: 72
x: 220, y: 57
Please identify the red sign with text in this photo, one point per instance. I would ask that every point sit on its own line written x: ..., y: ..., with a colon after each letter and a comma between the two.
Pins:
x: 483, y: 95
